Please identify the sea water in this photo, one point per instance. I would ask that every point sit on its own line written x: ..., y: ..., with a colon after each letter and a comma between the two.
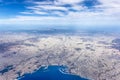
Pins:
x: 51, y: 73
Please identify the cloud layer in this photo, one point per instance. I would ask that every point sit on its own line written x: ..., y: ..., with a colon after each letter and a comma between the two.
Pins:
x: 83, y: 12
x: 60, y: 7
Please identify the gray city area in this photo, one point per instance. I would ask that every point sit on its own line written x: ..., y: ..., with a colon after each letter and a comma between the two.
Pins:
x: 94, y: 56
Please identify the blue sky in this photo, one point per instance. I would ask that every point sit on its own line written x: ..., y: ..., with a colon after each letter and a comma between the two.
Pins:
x: 60, y: 12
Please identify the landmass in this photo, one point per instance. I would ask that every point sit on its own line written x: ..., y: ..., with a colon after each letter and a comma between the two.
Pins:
x: 95, y: 56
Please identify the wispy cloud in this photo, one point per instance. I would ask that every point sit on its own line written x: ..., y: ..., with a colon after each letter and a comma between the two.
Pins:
x: 57, y: 6
x: 64, y: 7
x: 83, y: 12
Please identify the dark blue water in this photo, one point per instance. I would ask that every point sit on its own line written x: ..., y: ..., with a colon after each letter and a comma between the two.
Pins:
x: 51, y: 73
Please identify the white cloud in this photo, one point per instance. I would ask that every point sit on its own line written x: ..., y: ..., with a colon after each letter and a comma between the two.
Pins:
x: 108, y: 13
x: 50, y: 7
x: 56, y: 5
x: 68, y: 1
x: 107, y: 7
x: 110, y: 7
x: 75, y: 19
